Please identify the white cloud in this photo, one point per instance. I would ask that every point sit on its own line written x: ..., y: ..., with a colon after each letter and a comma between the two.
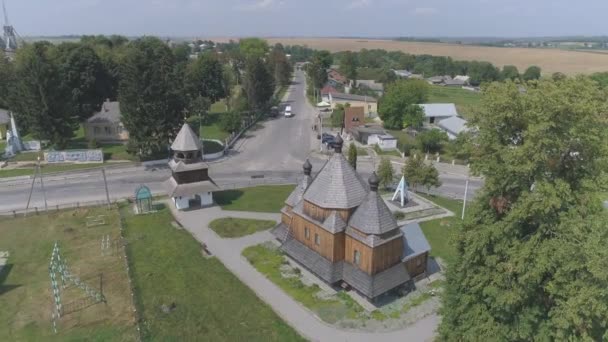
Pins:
x: 424, y: 11
x: 259, y: 5
x: 359, y: 4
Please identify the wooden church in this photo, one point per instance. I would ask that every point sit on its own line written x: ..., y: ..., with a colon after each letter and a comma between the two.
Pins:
x: 338, y: 227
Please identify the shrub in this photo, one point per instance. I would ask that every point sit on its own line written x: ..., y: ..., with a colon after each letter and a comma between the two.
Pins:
x: 398, y: 215
x: 93, y: 144
x: 230, y: 122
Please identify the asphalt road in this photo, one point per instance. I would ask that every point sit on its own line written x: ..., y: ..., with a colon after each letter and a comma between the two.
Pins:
x: 271, y: 153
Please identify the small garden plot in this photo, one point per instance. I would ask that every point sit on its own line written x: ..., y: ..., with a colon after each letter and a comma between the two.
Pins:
x: 26, y: 297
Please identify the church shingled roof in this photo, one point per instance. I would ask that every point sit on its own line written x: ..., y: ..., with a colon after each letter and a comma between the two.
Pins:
x: 186, y: 140
x: 337, y: 186
x: 373, y: 216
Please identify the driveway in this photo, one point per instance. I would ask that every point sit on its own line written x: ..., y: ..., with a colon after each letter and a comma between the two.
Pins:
x: 228, y: 251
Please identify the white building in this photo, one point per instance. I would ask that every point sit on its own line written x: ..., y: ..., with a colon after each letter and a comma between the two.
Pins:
x: 190, y: 184
x: 435, y: 112
x: 384, y: 141
x: 453, y: 126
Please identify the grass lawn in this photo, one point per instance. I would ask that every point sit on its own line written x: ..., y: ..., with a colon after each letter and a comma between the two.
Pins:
x: 379, y: 151
x: 268, y: 198
x: 439, y: 232
x: 25, y: 294
x: 116, y: 152
x: 268, y: 260
x: 464, y: 100
x: 211, y: 304
x: 211, y: 128
x: 47, y: 169
x: 218, y: 107
x: 361, y: 151
x: 231, y: 227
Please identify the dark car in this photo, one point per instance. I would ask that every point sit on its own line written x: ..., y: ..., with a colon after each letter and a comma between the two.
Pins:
x: 327, y: 138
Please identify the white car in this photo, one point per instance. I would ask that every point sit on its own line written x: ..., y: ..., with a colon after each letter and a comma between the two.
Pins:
x: 288, y: 112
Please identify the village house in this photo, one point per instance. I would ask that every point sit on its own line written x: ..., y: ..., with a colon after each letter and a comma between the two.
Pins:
x: 364, y: 133
x: 337, y: 226
x: 369, y: 104
x: 384, y: 141
x: 453, y: 126
x: 353, y: 117
x: 435, y: 112
x: 336, y: 79
x: 372, y: 85
x: 325, y: 91
x: 106, y: 125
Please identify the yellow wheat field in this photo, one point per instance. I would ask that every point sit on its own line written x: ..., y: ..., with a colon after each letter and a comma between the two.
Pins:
x: 550, y: 60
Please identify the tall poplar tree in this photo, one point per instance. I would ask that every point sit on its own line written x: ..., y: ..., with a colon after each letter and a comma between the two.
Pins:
x: 531, y: 257
x: 41, y: 101
x: 151, y: 98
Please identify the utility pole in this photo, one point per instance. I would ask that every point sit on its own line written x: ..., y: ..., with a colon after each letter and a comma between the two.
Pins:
x: 105, y: 182
x: 29, y: 198
x: 46, y: 208
x: 464, y: 200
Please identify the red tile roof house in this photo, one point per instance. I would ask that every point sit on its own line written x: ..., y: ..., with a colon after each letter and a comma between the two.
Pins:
x: 325, y: 91
x: 335, y: 78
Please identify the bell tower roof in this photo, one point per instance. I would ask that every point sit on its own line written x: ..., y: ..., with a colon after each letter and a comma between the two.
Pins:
x: 186, y: 140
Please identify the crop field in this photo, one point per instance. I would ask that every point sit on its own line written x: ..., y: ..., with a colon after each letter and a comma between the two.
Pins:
x: 550, y: 60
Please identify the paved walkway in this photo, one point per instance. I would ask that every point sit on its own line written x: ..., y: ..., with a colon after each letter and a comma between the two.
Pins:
x: 228, y: 251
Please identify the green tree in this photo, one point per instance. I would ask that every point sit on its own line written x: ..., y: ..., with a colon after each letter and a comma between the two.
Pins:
x: 431, y: 141
x: 280, y: 66
x: 231, y: 122
x: 6, y: 80
x: 150, y: 97
x: 337, y: 116
x: 352, y: 155
x: 601, y: 78
x: 323, y: 57
x: 532, y: 73
x: 509, y: 72
x: 348, y: 65
x: 83, y: 74
x: 253, y: 47
x: 430, y: 177
x: 461, y: 147
x: 414, y: 171
x: 41, y: 101
x: 558, y: 76
x: 387, y: 77
x: 385, y: 172
x: 258, y: 83
x: 399, y: 103
x: 205, y: 78
x: 529, y: 256
x: 480, y: 72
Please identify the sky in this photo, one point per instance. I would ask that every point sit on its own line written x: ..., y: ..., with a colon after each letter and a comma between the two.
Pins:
x: 307, y: 18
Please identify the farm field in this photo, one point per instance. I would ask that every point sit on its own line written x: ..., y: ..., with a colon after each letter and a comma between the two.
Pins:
x: 465, y: 100
x: 26, y: 297
x: 550, y: 60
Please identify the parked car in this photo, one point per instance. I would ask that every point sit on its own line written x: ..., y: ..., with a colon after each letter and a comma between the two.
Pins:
x: 326, y: 138
x: 274, y: 111
x: 288, y: 112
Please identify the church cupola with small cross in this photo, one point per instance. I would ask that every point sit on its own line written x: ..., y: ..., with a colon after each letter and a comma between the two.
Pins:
x: 190, y: 184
